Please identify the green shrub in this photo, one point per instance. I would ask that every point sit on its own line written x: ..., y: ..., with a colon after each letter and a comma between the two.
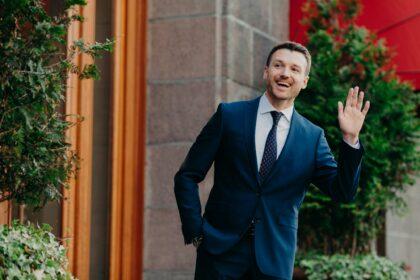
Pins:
x: 345, y: 55
x: 35, y: 158
x: 29, y: 252
x: 343, y: 267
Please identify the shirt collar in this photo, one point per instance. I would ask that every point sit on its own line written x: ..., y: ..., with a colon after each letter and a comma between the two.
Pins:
x: 266, y: 107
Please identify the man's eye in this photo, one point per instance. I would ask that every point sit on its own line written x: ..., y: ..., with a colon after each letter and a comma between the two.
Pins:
x: 276, y: 65
x: 295, y: 70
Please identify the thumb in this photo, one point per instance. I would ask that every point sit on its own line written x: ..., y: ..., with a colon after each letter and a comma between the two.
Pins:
x: 340, y: 109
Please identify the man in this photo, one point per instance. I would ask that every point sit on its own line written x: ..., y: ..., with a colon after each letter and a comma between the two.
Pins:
x: 265, y: 156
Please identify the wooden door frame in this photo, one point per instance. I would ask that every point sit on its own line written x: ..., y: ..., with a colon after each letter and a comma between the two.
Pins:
x: 5, y: 212
x: 76, y: 209
x: 128, y: 138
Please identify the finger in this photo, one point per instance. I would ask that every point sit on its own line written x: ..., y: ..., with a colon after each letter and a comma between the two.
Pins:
x: 340, y: 109
x: 349, y: 97
x: 360, y: 100
x: 366, y: 108
x: 355, y: 95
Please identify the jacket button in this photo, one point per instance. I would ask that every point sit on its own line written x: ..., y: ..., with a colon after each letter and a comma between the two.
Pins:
x: 258, y: 193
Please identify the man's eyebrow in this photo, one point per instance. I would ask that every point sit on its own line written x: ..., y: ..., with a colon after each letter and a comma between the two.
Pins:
x: 279, y: 60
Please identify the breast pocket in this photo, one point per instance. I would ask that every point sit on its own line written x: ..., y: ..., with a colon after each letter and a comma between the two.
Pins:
x: 234, y: 144
x: 234, y: 137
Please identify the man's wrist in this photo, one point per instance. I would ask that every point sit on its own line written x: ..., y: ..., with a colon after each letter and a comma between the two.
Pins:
x: 354, y: 146
x: 351, y: 139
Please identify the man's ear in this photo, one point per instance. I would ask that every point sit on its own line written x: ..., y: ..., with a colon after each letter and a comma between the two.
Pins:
x: 265, y: 74
x: 305, y: 82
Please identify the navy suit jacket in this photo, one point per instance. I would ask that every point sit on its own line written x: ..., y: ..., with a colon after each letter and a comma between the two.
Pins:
x: 238, y: 196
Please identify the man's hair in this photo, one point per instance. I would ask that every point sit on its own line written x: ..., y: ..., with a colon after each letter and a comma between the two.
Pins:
x: 293, y: 46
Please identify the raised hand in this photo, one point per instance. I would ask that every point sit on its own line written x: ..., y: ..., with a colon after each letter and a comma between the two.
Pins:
x: 351, y: 117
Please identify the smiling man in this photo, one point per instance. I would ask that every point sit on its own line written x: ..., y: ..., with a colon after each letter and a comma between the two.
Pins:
x: 265, y: 156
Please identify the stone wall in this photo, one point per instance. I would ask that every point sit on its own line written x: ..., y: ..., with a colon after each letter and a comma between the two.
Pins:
x: 200, y: 52
x: 403, y: 233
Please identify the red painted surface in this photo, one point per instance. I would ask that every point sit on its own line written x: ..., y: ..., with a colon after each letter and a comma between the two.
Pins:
x: 396, y: 21
x: 296, y: 31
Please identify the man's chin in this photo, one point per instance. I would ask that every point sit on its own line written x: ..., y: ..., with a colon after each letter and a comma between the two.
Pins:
x: 280, y: 95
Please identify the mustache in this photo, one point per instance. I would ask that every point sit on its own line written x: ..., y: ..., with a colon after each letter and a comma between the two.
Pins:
x: 280, y: 80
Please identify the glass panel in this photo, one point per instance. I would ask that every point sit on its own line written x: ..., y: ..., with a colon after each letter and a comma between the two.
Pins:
x: 101, y: 187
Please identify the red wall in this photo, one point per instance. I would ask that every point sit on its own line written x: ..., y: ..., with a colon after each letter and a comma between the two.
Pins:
x: 397, y: 21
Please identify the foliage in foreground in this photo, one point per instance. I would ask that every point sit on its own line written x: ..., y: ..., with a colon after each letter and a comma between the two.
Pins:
x: 31, y: 252
x: 36, y: 161
x: 343, y: 267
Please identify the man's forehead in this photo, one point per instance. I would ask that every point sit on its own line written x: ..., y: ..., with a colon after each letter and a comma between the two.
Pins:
x: 289, y: 56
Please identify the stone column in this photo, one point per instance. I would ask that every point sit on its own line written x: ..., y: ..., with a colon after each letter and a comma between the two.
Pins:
x: 200, y: 53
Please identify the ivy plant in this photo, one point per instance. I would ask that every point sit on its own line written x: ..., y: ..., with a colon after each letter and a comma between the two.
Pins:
x: 31, y: 252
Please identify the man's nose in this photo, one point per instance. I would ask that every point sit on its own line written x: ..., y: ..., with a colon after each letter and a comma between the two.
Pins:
x: 285, y: 72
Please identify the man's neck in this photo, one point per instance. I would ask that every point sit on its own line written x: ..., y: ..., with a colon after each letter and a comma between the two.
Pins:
x: 279, y: 104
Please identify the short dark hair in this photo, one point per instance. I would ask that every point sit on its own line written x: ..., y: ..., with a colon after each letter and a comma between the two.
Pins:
x: 293, y: 46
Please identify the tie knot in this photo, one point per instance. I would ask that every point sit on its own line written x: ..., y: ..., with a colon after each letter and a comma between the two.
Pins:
x: 276, y: 116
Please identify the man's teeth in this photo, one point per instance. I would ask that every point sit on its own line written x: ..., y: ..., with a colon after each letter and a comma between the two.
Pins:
x: 283, y: 84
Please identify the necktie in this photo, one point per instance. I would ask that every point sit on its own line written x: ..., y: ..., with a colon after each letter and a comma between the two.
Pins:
x: 270, y: 150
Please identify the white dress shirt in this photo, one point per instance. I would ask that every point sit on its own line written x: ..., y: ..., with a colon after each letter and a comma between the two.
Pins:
x: 265, y: 122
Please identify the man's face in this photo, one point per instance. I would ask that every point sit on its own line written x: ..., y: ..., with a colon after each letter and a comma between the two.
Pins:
x: 285, y: 76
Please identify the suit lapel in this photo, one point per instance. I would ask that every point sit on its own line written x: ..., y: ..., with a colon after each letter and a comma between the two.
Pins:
x: 291, y: 143
x: 250, y: 123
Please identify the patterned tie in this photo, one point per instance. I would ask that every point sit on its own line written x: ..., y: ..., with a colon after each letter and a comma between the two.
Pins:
x: 270, y: 150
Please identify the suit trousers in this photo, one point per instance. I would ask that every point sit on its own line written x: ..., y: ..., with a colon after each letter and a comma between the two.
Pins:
x: 239, y: 263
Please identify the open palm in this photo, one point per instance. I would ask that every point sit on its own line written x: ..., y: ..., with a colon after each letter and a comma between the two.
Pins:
x: 351, y: 117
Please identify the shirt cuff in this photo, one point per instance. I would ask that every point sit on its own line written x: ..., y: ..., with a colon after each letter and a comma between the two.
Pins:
x: 354, y: 146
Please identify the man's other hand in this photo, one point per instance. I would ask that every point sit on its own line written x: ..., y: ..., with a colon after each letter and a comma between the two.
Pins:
x: 351, y: 117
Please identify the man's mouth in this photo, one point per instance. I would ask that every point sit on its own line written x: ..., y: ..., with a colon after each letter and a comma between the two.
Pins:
x: 283, y: 84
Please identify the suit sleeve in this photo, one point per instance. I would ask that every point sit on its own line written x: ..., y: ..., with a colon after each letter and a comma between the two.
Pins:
x: 192, y: 171
x: 337, y: 180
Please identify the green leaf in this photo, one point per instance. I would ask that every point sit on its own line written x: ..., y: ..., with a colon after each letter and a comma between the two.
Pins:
x: 70, y: 3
